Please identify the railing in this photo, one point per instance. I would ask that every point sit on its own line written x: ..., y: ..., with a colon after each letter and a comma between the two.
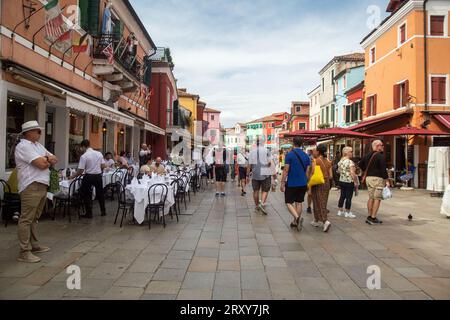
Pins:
x: 163, y: 55
x: 123, y: 54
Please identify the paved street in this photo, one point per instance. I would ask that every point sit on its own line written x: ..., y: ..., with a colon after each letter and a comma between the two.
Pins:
x: 225, y: 250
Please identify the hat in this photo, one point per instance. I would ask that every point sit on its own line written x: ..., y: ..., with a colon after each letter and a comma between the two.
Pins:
x: 30, y: 125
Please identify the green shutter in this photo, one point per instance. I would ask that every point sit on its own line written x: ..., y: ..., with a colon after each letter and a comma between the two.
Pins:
x: 84, y: 14
x: 94, y: 16
x: 118, y: 29
x: 148, y: 72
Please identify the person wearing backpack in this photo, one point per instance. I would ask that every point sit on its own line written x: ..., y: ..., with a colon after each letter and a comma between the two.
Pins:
x: 294, y: 181
x: 376, y: 178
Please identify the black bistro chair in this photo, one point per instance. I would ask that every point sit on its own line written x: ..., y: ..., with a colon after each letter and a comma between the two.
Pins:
x: 118, y: 177
x: 125, y: 204
x: 9, y: 202
x: 176, y: 206
x: 157, y: 191
x: 73, y: 199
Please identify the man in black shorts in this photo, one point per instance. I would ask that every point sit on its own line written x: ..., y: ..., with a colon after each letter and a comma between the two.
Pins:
x: 298, y: 171
x: 220, y: 157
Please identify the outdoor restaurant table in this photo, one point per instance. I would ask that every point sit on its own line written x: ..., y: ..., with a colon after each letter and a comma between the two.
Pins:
x: 140, y: 193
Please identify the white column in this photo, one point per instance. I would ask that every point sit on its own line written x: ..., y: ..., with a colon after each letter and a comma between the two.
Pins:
x: 42, y: 109
x: 61, y: 133
x: 3, y: 115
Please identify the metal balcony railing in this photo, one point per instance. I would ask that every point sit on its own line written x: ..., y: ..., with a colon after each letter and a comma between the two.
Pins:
x: 125, y: 57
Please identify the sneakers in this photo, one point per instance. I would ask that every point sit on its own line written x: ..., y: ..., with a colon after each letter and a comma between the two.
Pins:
x: 217, y: 194
x: 16, y: 216
x: 28, y: 257
x: 40, y: 249
x: 223, y: 194
x: 262, y: 207
x: 373, y: 221
x: 316, y: 224
x: 340, y: 213
x: 350, y: 215
x: 326, y: 226
x: 300, y: 224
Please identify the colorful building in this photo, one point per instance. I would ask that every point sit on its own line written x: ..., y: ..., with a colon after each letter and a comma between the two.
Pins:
x: 235, y: 138
x: 213, y: 130
x: 299, y: 118
x: 407, y: 78
x: 78, y: 87
x: 328, y: 89
x: 315, y: 110
x: 189, y: 101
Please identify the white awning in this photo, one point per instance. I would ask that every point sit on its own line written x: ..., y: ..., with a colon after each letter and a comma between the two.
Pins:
x: 155, y: 129
x: 80, y: 103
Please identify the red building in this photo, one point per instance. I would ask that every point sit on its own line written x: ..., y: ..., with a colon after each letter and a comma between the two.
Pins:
x: 299, y: 116
x: 161, y: 106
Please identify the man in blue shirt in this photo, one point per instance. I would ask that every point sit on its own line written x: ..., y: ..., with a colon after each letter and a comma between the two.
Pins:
x: 298, y: 171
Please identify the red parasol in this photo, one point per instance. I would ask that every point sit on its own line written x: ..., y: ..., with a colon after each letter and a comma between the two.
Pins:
x: 341, y: 133
x: 300, y: 133
x: 413, y: 131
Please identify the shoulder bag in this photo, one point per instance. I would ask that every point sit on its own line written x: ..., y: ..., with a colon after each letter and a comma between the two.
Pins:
x: 364, y: 177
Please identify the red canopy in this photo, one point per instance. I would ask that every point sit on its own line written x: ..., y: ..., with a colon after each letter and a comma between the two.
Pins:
x: 412, y: 131
x: 300, y: 133
x: 340, y: 132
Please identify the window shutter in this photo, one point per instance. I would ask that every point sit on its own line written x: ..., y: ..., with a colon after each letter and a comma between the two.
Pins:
x: 442, y: 90
x: 437, y: 25
x: 396, y: 96
x: 84, y: 14
x: 402, y: 33
x: 435, y: 90
x: 374, y: 108
x: 93, y: 16
x: 406, y: 93
x: 147, y: 80
x: 367, y: 110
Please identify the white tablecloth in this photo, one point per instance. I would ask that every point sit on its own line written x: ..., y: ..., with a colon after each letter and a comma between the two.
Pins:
x: 140, y: 193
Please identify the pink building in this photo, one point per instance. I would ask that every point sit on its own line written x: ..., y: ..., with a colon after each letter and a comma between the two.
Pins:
x: 212, y: 117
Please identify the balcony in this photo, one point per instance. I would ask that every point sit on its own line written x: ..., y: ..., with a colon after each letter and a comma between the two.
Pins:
x: 126, y: 73
x: 163, y: 55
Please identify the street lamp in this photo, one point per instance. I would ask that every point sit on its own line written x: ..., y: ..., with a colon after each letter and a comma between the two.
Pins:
x: 104, y: 130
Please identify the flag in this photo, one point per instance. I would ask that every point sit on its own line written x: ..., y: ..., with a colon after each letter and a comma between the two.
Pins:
x: 149, y: 94
x: 52, y: 5
x: 81, y: 45
x: 109, y: 53
x: 143, y: 91
x: 54, y: 27
x: 65, y: 36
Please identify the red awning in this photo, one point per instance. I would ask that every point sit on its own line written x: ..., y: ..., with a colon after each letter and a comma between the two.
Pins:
x: 340, y: 132
x: 372, y: 122
x: 444, y: 119
x: 412, y: 131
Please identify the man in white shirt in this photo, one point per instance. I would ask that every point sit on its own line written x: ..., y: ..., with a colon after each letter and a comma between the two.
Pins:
x: 91, y: 164
x: 144, y: 155
x: 32, y: 162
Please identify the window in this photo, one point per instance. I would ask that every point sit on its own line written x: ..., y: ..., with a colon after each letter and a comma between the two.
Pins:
x: 18, y: 111
x: 373, y: 53
x: 353, y: 112
x: 401, y: 94
x: 323, y: 115
x: 402, y: 34
x: 437, y: 25
x: 76, y: 135
x: 89, y: 15
x: 345, y: 82
x: 332, y: 77
x: 302, y: 126
x: 371, y: 106
x: 327, y: 116
x: 298, y: 109
x: 438, y: 90
x: 212, y: 117
x: 323, y: 84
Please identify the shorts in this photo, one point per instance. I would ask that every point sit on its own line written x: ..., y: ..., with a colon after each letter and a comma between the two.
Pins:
x: 263, y: 185
x: 295, y: 194
x: 242, y: 173
x: 221, y: 175
x: 375, y: 186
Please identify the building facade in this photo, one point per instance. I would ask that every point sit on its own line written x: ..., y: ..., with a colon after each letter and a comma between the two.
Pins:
x: 328, y: 87
x: 89, y: 82
x: 213, y: 131
x: 407, y: 78
x: 315, y: 110
x: 299, y: 116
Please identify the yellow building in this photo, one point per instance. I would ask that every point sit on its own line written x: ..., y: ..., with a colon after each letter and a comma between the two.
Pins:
x: 190, y: 102
x: 407, y: 72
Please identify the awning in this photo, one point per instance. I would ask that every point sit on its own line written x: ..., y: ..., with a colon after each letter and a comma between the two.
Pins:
x: 372, y: 122
x: 444, y: 119
x: 80, y: 103
x: 155, y: 129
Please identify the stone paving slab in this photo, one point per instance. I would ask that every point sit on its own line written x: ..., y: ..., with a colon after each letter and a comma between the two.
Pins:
x: 226, y: 250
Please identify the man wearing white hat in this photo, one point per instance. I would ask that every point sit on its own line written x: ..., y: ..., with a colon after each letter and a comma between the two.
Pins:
x: 33, y: 162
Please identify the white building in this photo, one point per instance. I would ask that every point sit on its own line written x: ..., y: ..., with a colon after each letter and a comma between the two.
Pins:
x: 314, y: 102
x: 236, y: 137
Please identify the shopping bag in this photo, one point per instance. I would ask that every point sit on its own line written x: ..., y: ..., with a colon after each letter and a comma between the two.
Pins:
x: 387, y: 194
x: 445, y: 208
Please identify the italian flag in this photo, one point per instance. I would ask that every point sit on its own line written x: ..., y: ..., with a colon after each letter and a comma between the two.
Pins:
x: 54, y: 22
x: 82, y: 44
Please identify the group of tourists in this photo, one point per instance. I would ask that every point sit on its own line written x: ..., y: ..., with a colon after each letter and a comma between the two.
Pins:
x: 310, y: 174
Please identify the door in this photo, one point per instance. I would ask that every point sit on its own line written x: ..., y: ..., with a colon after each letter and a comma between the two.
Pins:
x: 49, y: 132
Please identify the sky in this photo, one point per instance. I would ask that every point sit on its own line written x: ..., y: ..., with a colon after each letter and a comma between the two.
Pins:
x: 251, y: 58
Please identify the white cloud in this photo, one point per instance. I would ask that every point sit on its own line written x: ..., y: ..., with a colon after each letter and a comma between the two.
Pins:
x: 252, y: 58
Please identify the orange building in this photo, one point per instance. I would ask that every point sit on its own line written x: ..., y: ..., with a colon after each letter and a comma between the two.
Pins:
x: 407, y: 77
x: 60, y: 74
